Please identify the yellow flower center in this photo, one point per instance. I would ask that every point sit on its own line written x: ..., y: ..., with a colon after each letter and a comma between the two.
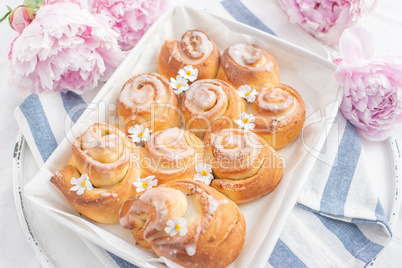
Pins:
x: 177, y: 227
x: 83, y: 183
x: 247, y: 94
x: 188, y: 73
x: 204, y: 173
x: 144, y: 184
x: 141, y: 134
x: 246, y: 121
x: 179, y: 86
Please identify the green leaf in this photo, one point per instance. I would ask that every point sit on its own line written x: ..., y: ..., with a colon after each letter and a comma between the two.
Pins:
x: 5, y: 16
x: 9, y: 8
x: 35, y: 4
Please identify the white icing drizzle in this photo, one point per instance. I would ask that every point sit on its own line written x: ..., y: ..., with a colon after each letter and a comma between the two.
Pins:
x: 250, y: 57
x: 236, y: 146
x: 143, y: 92
x: 204, y: 98
x: 278, y: 101
x: 106, y: 194
x: 170, y: 145
x: 195, y: 47
x: 103, y: 148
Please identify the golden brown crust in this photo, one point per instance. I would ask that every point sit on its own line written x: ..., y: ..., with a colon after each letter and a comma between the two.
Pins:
x: 148, y: 100
x: 171, y: 154
x: 245, y: 167
x: 196, y: 49
x: 102, y: 203
x: 216, y: 227
x: 110, y: 164
x: 278, y: 126
x: 210, y: 105
x: 248, y: 65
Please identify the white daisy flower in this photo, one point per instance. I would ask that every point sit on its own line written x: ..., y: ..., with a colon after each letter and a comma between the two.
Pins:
x: 203, y: 173
x: 246, y: 121
x: 146, y: 183
x: 81, y: 184
x: 176, y: 225
x: 180, y: 84
x: 189, y: 73
x: 138, y: 133
x: 246, y: 92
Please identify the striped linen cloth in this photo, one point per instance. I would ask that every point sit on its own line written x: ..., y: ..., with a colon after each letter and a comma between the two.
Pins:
x: 338, y: 220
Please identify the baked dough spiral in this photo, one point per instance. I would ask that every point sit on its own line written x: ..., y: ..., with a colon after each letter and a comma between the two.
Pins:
x: 211, y: 104
x: 104, y: 156
x: 245, y: 64
x: 171, y: 154
x: 279, y: 112
x: 148, y: 100
x: 196, y: 49
x: 245, y: 167
x: 215, y: 226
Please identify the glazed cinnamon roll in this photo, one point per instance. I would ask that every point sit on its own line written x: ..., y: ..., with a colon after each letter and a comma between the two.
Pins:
x: 187, y: 222
x: 171, y: 154
x: 279, y: 112
x: 148, y: 100
x: 210, y: 104
x: 99, y: 176
x: 245, y: 64
x: 245, y: 167
x: 196, y: 49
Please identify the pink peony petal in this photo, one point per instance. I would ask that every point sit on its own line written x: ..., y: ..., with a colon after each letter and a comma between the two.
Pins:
x: 64, y: 48
x: 372, y: 86
x: 129, y: 18
x: 356, y: 42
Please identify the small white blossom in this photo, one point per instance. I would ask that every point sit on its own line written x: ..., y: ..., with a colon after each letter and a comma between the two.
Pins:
x: 81, y: 184
x: 146, y: 183
x: 176, y: 225
x: 203, y: 173
x: 180, y: 84
x: 189, y: 73
x: 246, y: 121
x: 138, y: 133
x: 246, y: 92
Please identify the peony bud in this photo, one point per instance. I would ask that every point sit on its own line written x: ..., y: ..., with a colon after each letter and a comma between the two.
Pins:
x: 21, y: 17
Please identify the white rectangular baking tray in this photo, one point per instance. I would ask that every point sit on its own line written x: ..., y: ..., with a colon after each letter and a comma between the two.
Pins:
x: 310, y: 74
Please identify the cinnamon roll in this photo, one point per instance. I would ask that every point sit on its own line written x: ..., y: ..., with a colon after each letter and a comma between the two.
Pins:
x: 171, y: 154
x: 148, y: 100
x: 99, y: 176
x: 196, y: 49
x: 210, y: 104
x: 245, y: 64
x: 187, y: 222
x: 279, y: 112
x: 245, y: 167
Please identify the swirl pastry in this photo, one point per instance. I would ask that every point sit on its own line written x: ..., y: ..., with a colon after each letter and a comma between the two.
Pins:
x: 279, y: 112
x: 171, y: 154
x: 187, y: 222
x: 245, y: 167
x: 196, y: 49
x: 211, y: 104
x: 245, y: 64
x: 99, y: 176
x: 148, y: 100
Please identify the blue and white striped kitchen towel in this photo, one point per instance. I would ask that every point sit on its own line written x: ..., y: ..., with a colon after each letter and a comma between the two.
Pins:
x: 338, y: 220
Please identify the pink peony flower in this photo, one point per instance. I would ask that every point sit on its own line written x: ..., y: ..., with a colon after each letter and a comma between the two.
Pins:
x: 325, y: 19
x: 21, y: 17
x: 64, y: 48
x: 129, y: 18
x: 372, y: 85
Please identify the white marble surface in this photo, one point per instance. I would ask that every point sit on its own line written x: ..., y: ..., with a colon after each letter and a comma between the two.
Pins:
x: 384, y: 22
